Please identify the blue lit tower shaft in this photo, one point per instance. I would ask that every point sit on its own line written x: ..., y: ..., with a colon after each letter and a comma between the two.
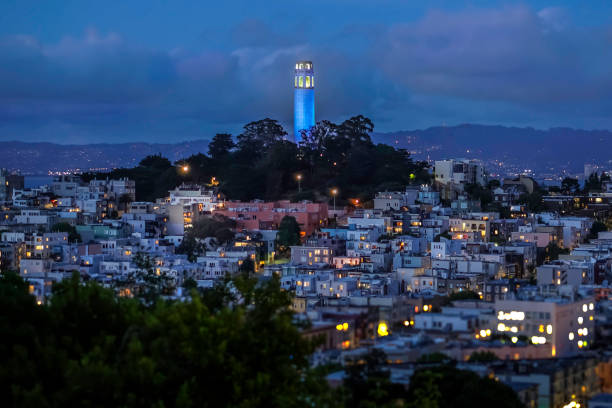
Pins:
x: 303, y: 100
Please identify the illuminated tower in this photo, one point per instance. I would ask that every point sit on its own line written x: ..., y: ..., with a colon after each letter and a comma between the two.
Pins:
x: 303, y: 100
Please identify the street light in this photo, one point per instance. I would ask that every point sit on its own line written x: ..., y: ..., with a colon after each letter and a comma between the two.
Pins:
x: 334, y: 193
x: 299, y: 180
x: 185, y: 168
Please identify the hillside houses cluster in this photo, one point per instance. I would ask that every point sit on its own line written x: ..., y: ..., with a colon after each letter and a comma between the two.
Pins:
x: 424, y: 271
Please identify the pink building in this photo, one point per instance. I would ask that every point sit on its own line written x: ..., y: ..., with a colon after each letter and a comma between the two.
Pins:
x: 267, y: 216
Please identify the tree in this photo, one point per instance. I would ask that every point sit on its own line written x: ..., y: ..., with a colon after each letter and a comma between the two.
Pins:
x: 155, y: 161
x: 592, y: 183
x: 596, y: 228
x: 368, y: 384
x: 315, y: 138
x: 533, y: 201
x: 436, y: 357
x: 483, y: 357
x: 218, y: 227
x: 447, y: 386
x: 124, y: 200
x: 441, y: 235
x: 220, y: 146
x: 92, y: 348
x: 357, y: 130
x: 146, y: 281
x: 464, y: 295
x: 288, y: 234
x: 479, y: 193
x: 258, y: 136
x: 73, y: 235
x: 552, y: 251
x: 570, y: 185
x: 190, y: 284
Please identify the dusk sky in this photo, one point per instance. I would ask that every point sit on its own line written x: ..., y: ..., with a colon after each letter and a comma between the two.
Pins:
x: 76, y: 71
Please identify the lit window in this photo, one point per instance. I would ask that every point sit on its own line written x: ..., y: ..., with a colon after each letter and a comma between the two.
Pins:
x: 296, y: 81
x: 312, y: 82
x: 307, y: 82
x: 301, y: 82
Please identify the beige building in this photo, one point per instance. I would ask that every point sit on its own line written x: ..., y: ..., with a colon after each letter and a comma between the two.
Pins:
x: 566, y: 326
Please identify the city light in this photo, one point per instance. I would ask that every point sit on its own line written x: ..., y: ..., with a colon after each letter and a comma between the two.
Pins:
x: 513, y: 315
x: 383, y: 329
x: 298, y: 177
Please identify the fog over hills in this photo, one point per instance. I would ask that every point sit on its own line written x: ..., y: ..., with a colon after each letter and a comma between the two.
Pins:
x: 541, y: 150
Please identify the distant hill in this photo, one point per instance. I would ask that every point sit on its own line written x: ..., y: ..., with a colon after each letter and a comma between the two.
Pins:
x: 542, y: 150
x: 533, y: 148
x: 40, y: 158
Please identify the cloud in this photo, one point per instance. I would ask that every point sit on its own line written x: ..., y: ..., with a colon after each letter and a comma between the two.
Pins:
x: 101, y: 79
x: 513, y: 54
x: 511, y: 65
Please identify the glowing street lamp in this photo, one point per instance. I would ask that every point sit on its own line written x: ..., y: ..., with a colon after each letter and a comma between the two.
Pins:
x: 334, y: 193
x: 185, y: 168
x: 299, y: 180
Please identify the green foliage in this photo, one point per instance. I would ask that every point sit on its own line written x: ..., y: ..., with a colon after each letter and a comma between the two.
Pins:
x: 288, y: 234
x: 190, y: 284
x: 464, y: 295
x: 368, y: 384
x: 154, y: 177
x: 477, y: 192
x: 439, y: 237
x: 234, y: 345
x: 533, y: 201
x: 570, y: 185
x: 90, y: 348
x: 73, y: 235
x: 218, y: 227
x: 434, y: 358
x: 552, y: 251
x: 594, y: 182
x: 262, y: 164
x: 447, y: 386
x: 220, y: 146
x: 147, y: 282
x: 483, y: 357
x: 596, y: 228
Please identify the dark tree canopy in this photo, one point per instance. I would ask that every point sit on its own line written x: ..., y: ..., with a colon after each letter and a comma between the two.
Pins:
x: 447, y: 386
x: 73, y: 235
x: 90, y: 348
x: 218, y: 227
x: 596, y: 228
x: 570, y: 185
x: 258, y: 136
x: 288, y: 233
x: 221, y: 145
x: 263, y: 164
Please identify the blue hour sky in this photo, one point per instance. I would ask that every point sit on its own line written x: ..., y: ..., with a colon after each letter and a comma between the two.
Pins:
x: 77, y: 71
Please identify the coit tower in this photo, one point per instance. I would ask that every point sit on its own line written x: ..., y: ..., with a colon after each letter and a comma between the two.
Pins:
x: 303, y: 99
